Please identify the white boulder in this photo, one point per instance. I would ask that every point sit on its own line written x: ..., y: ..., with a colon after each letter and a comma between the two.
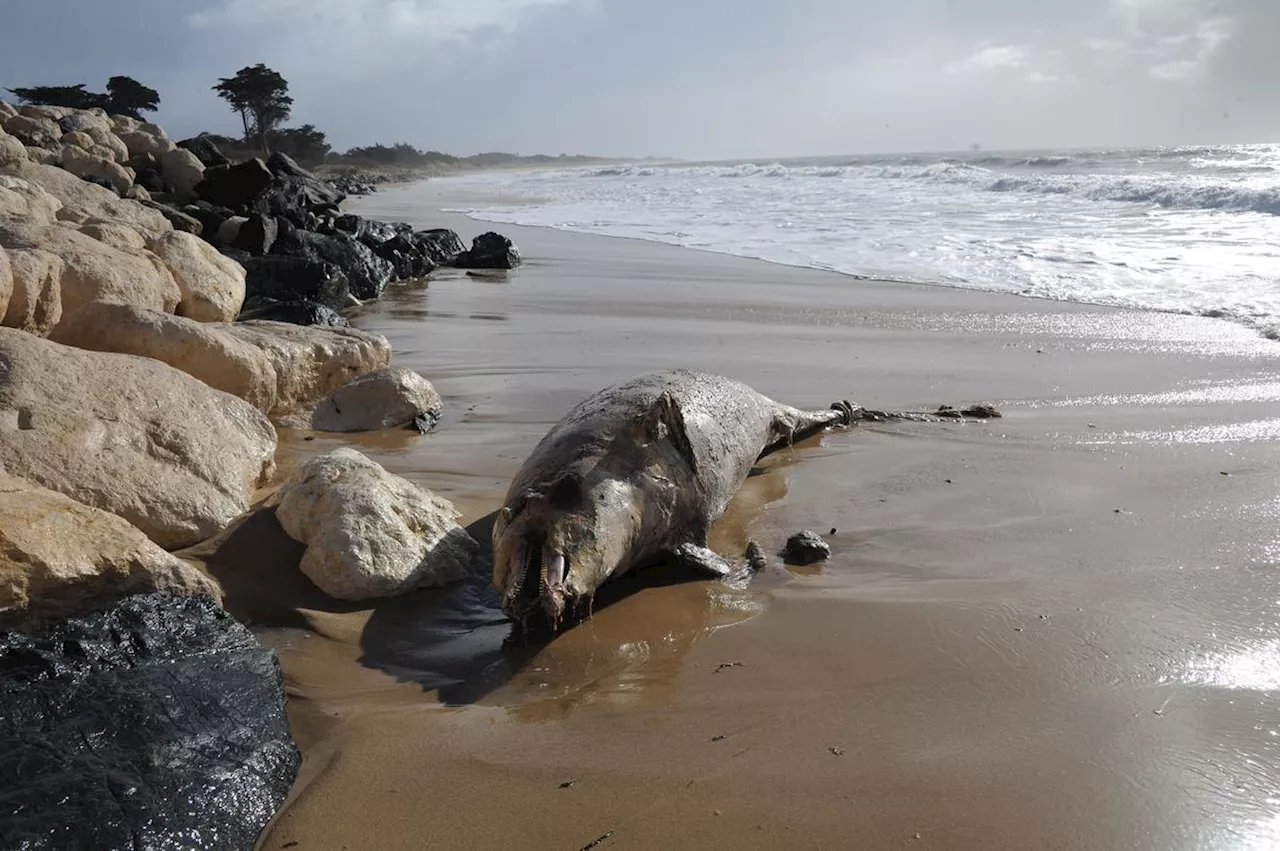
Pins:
x: 35, y: 304
x: 34, y: 131
x: 96, y: 271
x: 82, y: 200
x: 130, y: 435
x: 23, y: 199
x: 11, y: 149
x: 59, y: 558
x: 202, y: 350
x: 369, y: 533
x: 141, y: 142
x: 183, y: 170
x: 386, y: 398
x: 85, y: 165
x: 310, y: 362
x: 211, y: 284
x: 80, y: 140
x: 6, y: 282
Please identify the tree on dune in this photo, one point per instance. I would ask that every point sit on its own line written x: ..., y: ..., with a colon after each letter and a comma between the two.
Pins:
x: 261, y: 97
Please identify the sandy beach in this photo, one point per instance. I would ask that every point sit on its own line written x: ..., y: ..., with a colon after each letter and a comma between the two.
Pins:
x: 1055, y: 630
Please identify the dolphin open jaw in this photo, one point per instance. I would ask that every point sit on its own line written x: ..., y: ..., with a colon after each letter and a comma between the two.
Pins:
x: 538, y: 586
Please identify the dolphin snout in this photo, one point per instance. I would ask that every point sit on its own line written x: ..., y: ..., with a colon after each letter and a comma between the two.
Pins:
x: 539, y: 582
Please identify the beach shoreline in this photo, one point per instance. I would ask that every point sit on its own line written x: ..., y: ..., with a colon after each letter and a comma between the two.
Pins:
x: 1048, y: 630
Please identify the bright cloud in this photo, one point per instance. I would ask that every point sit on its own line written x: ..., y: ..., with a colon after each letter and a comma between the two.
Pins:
x: 991, y: 58
x: 419, y: 20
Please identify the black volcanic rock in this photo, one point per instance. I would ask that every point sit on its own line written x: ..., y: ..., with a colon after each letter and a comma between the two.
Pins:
x: 441, y: 245
x: 366, y: 273
x: 407, y: 255
x: 257, y: 235
x: 205, y: 150
x: 288, y: 278
x: 489, y: 251
x: 157, y: 723
x: 235, y: 186
x: 297, y: 312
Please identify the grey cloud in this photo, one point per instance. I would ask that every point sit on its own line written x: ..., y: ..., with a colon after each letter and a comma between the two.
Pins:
x: 714, y: 78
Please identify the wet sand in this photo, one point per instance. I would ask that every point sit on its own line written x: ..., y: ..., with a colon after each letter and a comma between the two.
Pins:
x: 1057, y: 630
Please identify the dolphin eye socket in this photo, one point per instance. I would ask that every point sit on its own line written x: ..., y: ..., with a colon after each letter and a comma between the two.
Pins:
x: 566, y: 493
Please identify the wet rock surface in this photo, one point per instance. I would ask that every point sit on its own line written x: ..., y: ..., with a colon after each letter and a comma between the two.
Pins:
x: 489, y: 251
x: 806, y: 548
x: 157, y: 723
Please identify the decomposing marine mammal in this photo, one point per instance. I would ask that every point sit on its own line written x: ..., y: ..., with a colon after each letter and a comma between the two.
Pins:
x: 634, y: 473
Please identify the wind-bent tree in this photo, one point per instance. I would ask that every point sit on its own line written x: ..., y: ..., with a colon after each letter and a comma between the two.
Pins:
x: 74, y: 97
x: 126, y: 96
x: 261, y: 96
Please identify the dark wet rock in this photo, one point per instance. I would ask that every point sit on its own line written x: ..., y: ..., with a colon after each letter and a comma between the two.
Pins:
x: 977, y: 412
x: 235, y: 186
x: 210, y: 217
x: 283, y: 165
x: 756, y: 557
x: 180, y: 220
x: 407, y: 256
x: 441, y: 245
x: 295, y: 312
x: 354, y: 184
x: 257, y: 235
x: 806, y: 548
x: 157, y: 723
x: 489, y: 251
x: 367, y: 274
x: 289, y: 278
x: 424, y: 421
x: 205, y: 150
x: 298, y: 199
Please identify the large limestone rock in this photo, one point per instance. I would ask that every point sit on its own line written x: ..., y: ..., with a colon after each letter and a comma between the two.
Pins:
x: 59, y: 558
x: 95, y: 271
x: 369, y: 533
x: 87, y: 166
x: 311, y: 361
x: 79, y: 140
x: 46, y: 111
x: 44, y: 156
x: 6, y: 282
x: 82, y: 201
x: 7, y: 111
x: 203, y: 350
x: 34, y: 131
x: 108, y: 141
x: 25, y: 200
x: 387, y: 398
x: 183, y: 170
x: 124, y: 123
x: 211, y: 285
x: 35, y: 305
x: 11, y: 149
x: 133, y: 436
x: 141, y: 142
x: 117, y: 236
x: 80, y: 120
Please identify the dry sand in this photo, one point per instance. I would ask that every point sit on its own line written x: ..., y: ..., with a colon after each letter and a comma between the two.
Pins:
x: 1058, y: 630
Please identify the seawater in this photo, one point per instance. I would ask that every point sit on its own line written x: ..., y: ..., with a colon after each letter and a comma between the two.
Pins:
x: 1189, y: 229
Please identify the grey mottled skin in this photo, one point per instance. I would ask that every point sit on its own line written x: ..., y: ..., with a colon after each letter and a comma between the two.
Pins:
x: 634, y: 473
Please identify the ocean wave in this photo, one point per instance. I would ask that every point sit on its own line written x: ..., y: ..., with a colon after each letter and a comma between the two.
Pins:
x: 1240, y: 183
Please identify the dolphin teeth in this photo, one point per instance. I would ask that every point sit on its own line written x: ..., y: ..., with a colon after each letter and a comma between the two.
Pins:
x: 555, y: 570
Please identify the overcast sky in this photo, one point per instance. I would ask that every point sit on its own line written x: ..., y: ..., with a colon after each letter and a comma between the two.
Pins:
x: 689, y: 78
